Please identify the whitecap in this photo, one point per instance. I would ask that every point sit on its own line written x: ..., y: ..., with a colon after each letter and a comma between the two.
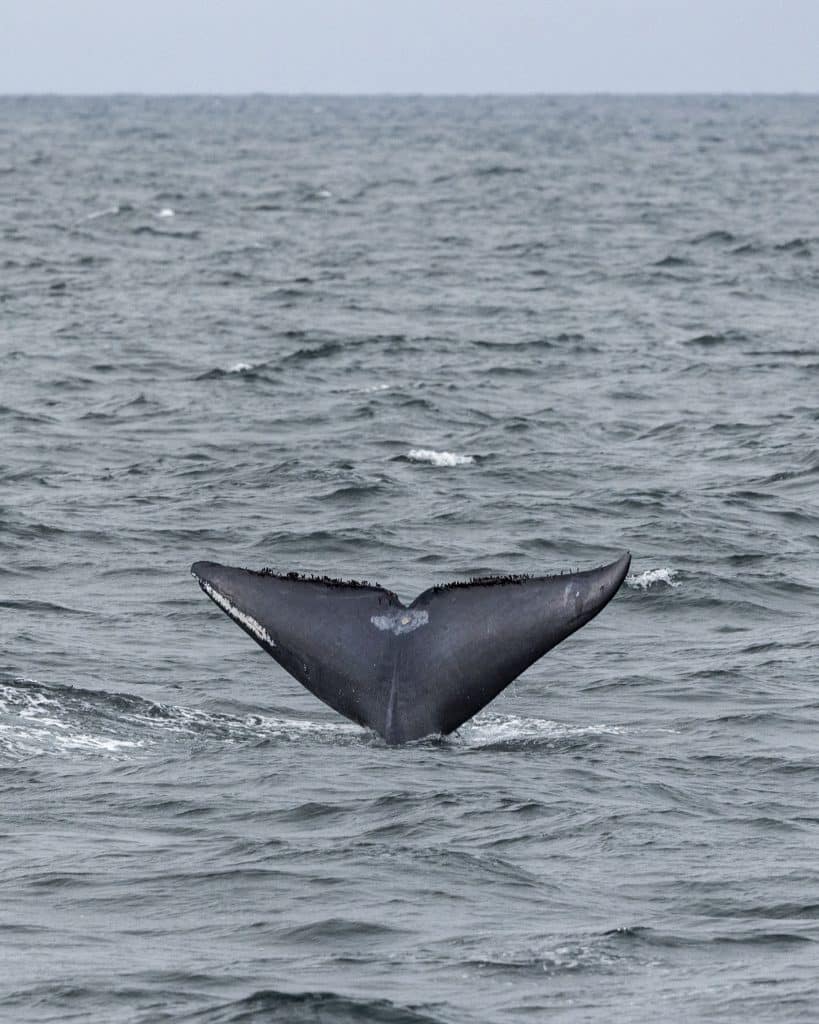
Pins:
x: 644, y: 580
x: 102, y: 213
x: 166, y: 211
x: 435, y: 458
x: 240, y: 368
x: 90, y: 742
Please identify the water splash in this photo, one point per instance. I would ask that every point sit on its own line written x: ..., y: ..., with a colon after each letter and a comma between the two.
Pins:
x: 650, y: 578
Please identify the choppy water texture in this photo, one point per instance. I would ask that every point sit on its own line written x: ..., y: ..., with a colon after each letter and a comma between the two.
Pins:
x: 409, y: 340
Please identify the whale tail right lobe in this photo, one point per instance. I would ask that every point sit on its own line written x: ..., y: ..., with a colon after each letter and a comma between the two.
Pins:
x: 484, y: 634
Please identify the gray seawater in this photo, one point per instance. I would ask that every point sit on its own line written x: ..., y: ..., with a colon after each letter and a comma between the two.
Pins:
x: 409, y: 340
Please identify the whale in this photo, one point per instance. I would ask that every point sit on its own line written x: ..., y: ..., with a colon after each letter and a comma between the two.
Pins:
x: 408, y: 671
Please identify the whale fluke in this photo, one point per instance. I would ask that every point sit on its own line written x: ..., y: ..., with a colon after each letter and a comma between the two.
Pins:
x: 407, y: 672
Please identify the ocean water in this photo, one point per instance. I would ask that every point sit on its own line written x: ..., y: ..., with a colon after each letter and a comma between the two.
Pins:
x: 409, y: 340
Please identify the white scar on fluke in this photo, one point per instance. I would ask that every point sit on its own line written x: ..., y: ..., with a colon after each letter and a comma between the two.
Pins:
x: 250, y: 624
x: 400, y: 622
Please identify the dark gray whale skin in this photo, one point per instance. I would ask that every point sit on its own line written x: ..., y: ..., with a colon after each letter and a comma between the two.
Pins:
x: 408, y: 672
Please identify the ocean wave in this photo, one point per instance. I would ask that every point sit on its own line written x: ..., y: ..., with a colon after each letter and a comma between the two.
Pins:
x: 241, y: 367
x: 595, y: 955
x: 302, y: 1007
x: 251, y: 371
x: 323, y: 350
x: 719, y: 236
x: 146, y: 229
x: 709, y: 340
x: 798, y: 246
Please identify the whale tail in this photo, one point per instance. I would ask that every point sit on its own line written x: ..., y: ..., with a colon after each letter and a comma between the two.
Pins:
x: 407, y: 672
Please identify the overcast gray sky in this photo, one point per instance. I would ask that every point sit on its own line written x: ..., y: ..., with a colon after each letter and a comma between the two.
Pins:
x: 431, y: 46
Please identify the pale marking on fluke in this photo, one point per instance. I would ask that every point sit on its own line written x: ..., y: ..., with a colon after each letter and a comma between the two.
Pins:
x: 256, y: 628
x: 401, y: 622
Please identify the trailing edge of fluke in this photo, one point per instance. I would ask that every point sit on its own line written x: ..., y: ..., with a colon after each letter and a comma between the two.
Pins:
x: 407, y: 672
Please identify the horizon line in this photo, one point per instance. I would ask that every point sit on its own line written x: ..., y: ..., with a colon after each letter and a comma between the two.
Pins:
x: 294, y: 94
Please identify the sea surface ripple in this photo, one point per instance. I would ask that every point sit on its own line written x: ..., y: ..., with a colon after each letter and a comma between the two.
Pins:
x: 409, y: 340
